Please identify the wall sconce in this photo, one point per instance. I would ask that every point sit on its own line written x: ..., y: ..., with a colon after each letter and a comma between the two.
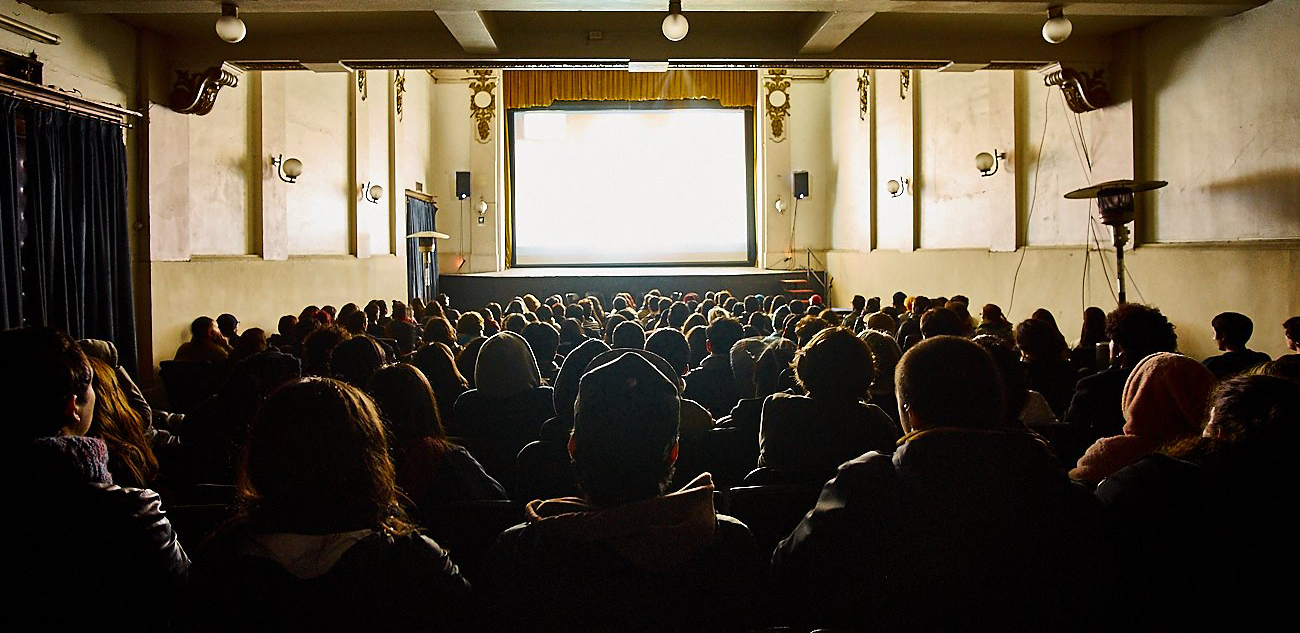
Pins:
x: 898, y: 187
x: 780, y: 205
x: 229, y: 27
x: 372, y: 192
x: 988, y: 163
x: 482, y: 206
x: 287, y: 169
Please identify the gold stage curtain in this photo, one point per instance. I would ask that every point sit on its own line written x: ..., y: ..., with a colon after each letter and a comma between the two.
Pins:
x: 541, y: 88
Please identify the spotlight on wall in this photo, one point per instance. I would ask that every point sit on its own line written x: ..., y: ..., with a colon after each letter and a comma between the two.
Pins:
x: 229, y: 27
x: 287, y: 169
x: 988, y: 163
x: 898, y: 187
x: 1057, y: 28
x: 780, y: 205
x: 675, y: 25
x: 372, y: 192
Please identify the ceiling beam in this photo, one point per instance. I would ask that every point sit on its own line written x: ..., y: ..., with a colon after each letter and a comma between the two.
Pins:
x: 823, y: 33
x: 1075, y: 7
x: 472, y: 30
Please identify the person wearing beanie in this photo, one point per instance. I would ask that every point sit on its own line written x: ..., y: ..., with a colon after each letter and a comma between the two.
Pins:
x: 625, y: 555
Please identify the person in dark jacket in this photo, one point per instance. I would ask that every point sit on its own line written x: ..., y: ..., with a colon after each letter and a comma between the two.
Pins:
x: 1135, y: 331
x: 1210, y: 516
x: 80, y: 552
x: 806, y: 438
x: 625, y: 556
x: 1232, y: 331
x: 1043, y: 352
x: 713, y: 384
x: 966, y: 527
x: 320, y: 543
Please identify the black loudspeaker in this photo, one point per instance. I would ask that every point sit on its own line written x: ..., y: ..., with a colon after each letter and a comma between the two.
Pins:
x: 800, y: 185
x: 462, y: 185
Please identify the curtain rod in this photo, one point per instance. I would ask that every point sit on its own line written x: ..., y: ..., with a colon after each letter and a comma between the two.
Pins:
x: 54, y: 98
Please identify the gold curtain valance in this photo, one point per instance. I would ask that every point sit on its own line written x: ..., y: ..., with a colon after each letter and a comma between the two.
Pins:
x: 541, y: 88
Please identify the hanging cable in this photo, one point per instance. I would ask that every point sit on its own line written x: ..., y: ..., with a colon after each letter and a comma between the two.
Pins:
x: 1033, y: 199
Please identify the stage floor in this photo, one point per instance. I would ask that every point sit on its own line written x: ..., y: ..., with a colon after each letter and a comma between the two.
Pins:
x: 629, y: 271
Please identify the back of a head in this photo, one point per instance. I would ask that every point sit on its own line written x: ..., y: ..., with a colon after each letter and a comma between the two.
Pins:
x: 356, y: 359
x: 1139, y: 331
x: 882, y: 322
x: 723, y: 333
x: 1166, y: 396
x: 515, y: 323
x: 808, y: 327
x: 439, y: 330
x: 1093, y: 330
x: 200, y: 327
x: 1233, y: 328
x: 672, y: 346
x: 571, y: 371
x: 743, y: 356
x: 317, y: 461
x: 227, y: 323
x: 835, y: 364
x: 628, y: 334
x: 775, y: 359
x: 624, y: 430
x: 438, y: 364
x: 949, y: 381
x: 1039, y: 341
x: 506, y: 366
x: 544, y: 339
x: 920, y: 304
x: 43, y: 371
x: 406, y: 403
x: 942, y: 322
x: 898, y: 298
x: 1015, y: 378
x: 1291, y: 327
x: 885, y: 355
x: 1257, y: 413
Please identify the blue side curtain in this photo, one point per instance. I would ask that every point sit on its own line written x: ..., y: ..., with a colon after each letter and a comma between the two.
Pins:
x: 420, y: 216
x: 76, y: 253
x: 11, y: 281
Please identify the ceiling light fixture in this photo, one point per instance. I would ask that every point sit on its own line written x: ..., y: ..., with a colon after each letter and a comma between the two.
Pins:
x: 675, y: 25
x: 1057, y: 28
x: 229, y: 27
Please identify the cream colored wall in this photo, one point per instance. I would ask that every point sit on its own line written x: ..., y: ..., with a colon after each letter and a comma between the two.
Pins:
x: 810, y: 137
x: 1210, y: 106
x: 850, y: 164
x: 316, y: 134
x: 220, y: 209
x: 1223, y: 113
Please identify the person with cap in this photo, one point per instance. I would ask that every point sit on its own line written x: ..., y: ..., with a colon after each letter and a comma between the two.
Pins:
x: 228, y: 325
x: 625, y: 556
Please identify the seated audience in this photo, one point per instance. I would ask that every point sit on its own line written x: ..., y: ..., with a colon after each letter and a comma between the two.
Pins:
x: 317, y: 351
x: 909, y: 325
x: 885, y: 355
x: 1086, y: 356
x: 1164, y: 400
x: 805, y: 438
x: 228, y: 325
x: 1291, y: 327
x: 284, y: 328
x: 252, y: 341
x: 320, y: 543
x: 1043, y: 350
x: 431, y: 471
x: 438, y: 364
x: 355, y: 360
x: 968, y: 526
x: 506, y: 408
x: 713, y: 384
x: 994, y: 323
x: 625, y: 556
x: 1025, y: 408
x: 544, y: 340
x: 206, y: 343
x: 131, y: 459
x: 1135, y: 331
x: 1231, y: 332
x: 628, y: 335
x: 1203, y: 525
x: 70, y: 525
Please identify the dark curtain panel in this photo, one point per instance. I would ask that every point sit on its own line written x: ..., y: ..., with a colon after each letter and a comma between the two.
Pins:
x: 79, y: 262
x: 11, y: 279
x: 420, y: 217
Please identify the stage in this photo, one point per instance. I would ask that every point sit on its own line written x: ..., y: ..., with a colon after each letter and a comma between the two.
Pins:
x: 478, y: 289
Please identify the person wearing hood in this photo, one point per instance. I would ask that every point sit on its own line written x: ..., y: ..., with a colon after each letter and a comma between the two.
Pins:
x: 1164, y: 400
x: 507, y: 406
x: 624, y: 556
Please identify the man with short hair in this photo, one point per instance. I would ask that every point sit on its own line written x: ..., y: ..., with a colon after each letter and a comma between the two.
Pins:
x: 966, y: 526
x: 206, y: 343
x: 713, y: 384
x: 625, y: 556
x: 1231, y: 332
x: 228, y: 325
x: 1291, y: 327
x: 80, y: 553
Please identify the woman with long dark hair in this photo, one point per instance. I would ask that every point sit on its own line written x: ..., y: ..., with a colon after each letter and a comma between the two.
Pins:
x: 430, y: 469
x: 130, y: 456
x: 320, y: 542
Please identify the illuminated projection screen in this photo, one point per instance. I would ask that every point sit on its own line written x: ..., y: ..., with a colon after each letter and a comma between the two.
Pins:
x: 631, y: 187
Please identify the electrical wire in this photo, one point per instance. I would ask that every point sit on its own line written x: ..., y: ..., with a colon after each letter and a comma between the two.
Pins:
x: 1033, y: 199
x: 794, y: 217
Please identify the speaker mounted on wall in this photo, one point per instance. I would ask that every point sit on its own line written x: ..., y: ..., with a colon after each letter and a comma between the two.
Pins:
x: 800, y: 185
x: 462, y: 185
